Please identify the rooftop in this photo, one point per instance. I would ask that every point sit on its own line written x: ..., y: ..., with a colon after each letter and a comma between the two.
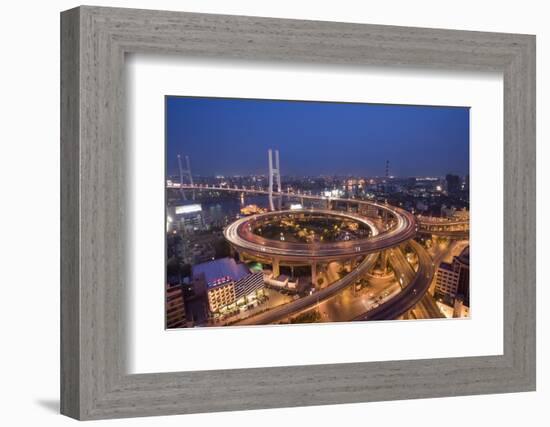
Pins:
x: 446, y: 266
x: 220, y: 271
x: 464, y: 256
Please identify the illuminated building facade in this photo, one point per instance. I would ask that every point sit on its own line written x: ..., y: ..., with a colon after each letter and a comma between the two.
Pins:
x: 186, y: 218
x: 221, y: 295
x: 252, y: 210
x: 228, y: 284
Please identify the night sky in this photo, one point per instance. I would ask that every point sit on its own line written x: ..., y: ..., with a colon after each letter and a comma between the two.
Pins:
x: 231, y: 137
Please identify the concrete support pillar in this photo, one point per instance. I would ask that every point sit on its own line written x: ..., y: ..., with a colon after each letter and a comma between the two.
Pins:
x: 275, y: 265
x: 314, y: 274
x: 274, y: 179
x: 384, y: 261
x: 270, y: 161
x: 279, y: 188
x: 348, y: 264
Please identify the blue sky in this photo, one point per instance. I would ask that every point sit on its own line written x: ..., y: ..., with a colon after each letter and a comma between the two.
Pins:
x: 231, y: 137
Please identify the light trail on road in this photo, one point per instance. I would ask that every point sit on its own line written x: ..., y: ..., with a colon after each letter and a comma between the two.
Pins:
x: 404, y: 229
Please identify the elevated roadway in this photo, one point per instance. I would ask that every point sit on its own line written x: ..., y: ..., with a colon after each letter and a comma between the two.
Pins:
x: 403, y: 228
x: 410, y: 295
x: 286, y: 310
x: 455, y: 229
x: 239, y: 234
x: 403, y: 270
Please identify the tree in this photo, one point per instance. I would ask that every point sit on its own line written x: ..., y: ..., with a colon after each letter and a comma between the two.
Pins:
x: 175, y: 267
x: 221, y: 248
x: 307, y: 317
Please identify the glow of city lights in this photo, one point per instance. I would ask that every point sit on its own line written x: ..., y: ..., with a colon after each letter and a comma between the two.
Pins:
x: 188, y: 209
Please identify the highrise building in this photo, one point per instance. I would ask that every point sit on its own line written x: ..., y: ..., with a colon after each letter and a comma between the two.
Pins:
x: 187, y: 218
x: 453, y: 279
x: 453, y: 183
x: 175, y: 307
x: 463, y: 264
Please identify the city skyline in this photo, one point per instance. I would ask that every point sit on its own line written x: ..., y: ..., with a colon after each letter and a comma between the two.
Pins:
x: 285, y: 212
x: 228, y: 136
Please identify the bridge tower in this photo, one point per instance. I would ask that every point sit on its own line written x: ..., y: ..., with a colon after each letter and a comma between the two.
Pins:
x: 185, y: 173
x: 274, y: 174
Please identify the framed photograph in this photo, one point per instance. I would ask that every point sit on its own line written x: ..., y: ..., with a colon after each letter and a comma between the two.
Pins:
x: 284, y: 213
x: 323, y: 242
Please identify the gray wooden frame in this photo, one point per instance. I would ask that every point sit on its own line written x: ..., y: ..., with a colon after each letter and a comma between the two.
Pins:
x: 94, y: 41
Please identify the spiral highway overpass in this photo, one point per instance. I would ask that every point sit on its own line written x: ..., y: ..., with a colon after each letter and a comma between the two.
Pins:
x: 390, y: 226
x: 240, y: 235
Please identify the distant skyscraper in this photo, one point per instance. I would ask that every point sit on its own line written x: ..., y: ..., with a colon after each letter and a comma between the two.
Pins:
x: 453, y: 183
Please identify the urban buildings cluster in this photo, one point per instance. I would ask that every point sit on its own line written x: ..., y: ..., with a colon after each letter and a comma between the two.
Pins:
x: 208, y: 282
x: 453, y: 283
